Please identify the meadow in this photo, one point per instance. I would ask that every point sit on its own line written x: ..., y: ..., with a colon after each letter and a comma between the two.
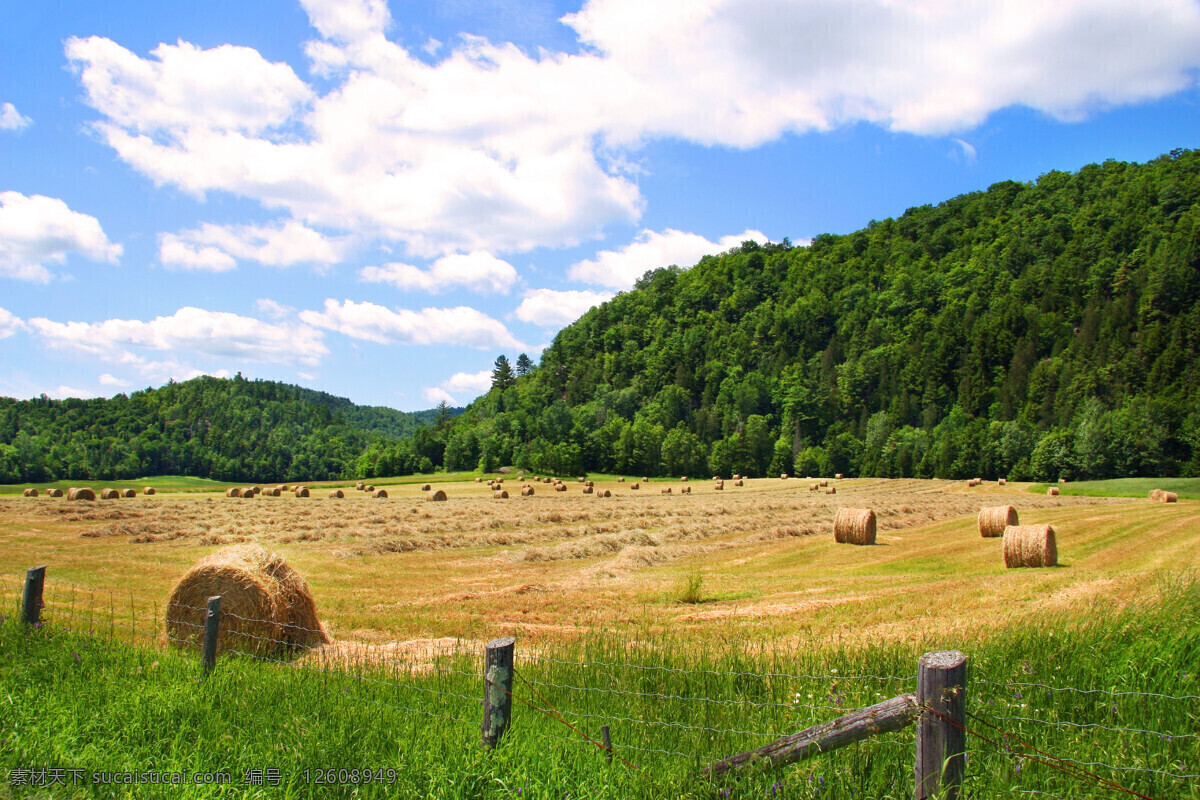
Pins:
x: 695, y: 625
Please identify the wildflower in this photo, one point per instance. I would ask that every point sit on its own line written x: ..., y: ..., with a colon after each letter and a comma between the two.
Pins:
x: 834, y: 670
x: 76, y: 655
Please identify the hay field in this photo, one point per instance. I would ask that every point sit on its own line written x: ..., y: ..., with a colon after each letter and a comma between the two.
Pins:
x: 757, y: 560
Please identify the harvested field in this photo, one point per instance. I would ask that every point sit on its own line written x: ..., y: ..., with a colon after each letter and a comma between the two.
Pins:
x: 410, y: 569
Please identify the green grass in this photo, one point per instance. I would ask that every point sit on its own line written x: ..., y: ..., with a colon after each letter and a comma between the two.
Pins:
x: 1186, y: 488
x: 81, y: 692
x: 162, y: 483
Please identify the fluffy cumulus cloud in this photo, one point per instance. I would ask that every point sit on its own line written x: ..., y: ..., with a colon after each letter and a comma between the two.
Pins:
x: 499, y: 150
x: 553, y: 309
x: 479, y: 272
x: 188, y: 332
x: 619, y: 269
x: 36, y: 231
x: 435, y: 395
x: 9, y: 323
x: 459, y: 386
x: 108, y: 379
x: 219, y: 247
x: 461, y: 325
x: 11, y: 119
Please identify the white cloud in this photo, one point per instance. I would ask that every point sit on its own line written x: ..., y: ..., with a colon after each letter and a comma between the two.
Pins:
x: 9, y: 323
x: 37, y: 230
x: 218, y: 247
x: 479, y: 272
x: 11, y: 119
x: 195, y: 331
x: 461, y: 325
x: 619, y: 269
x: 273, y: 309
x: 435, y: 395
x: 111, y: 380
x: 493, y: 149
x: 63, y: 392
x: 553, y: 309
x: 967, y: 149
x: 470, y: 382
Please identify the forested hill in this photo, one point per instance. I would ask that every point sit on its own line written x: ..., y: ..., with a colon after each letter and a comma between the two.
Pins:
x: 227, y: 429
x: 1034, y: 330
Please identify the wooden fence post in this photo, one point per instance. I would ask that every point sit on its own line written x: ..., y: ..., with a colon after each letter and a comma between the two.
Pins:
x: 212, y: 624
x: 606, y: 740
x: 497, y: 689
x: 31, y: 600
x: 941, y: 740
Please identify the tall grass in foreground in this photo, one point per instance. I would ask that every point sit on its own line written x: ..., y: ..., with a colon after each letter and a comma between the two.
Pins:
x: 90, y: 701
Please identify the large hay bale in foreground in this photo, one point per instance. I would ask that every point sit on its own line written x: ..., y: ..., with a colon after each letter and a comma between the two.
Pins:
x: 233, y: 492
x: 436, y: 496
x: 80, y: 494
x: 1170, y: 497
x: 54, y: 493
x: 129, y: 493
x: 1156, y: 495
x: 148, y: 490
x: 1029, y: 546
x: 854, y: 526
x: 993, y: 521
x: 110, y: 494
x: 380, y: 494
x: 301, y: 491
x: 336, y: 494
x: 1052, y: 491
x: 266, y: 607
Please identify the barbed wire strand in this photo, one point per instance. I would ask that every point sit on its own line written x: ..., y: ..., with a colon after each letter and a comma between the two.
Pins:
x: 1065, y: 724
x: 661, y: 696
x: 655, y: 668
x: 1107, y: 692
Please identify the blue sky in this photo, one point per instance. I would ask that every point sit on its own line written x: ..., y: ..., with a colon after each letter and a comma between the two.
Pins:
x: 377, y: 198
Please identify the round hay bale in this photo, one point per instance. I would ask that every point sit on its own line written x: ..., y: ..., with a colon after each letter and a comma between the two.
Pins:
x: 1062, y: 480
x: 783, y: 477
x: 256, y: 489
x: 248, y: 493
x: 479, y: 479
x: 970, y: 483
x: 993, y: 521
x: 148, y: 490
x: 1029, y: 546
x: 283, y: 487
x: 380, y: 494
x: 336, y: 494
x: 500, y: 494
x: 686, y: 490
x: 54, y: 493
x: 582, y: 480
x: 604, y: 493
x: 854, y: 526
x: 737, y: 477
x: 1002, y: 482
x: 1052, y: 491
x: 109, y: 494
x: 831, y: 490
x: 274, y: 491
x: 823, y: 484
x: 499, y: 481
x: 527, y: 491
x: 1156, y: 495
x: 621, y: 480
x: 719, y: 485
x: 560, y: 487
x: 81, y: 494
x: 666, y: 490
x: 425, y: 487
x: 683, y: 478
x: 635, y: 485
x: 28, y: 493
x: 362, y: 484
x: 370, y: 487
x: 814, y: 487
x: 436, y: 496
x: 738, y: 482
x: 645, y: 479
x: 1170, y: 497
x: 589, y: 483
x: 838, y: 476
x: 588, y: 490
x: 266, y: 606
x: 301, y: 491
x: 125, y: 493
x: 716, y: 477
x: 233, y: 491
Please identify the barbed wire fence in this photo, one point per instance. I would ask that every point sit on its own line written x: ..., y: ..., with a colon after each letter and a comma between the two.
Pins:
x: 1051, y: 740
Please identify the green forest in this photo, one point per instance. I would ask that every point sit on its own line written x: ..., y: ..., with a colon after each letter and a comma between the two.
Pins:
x: 1031, y: 331
x: 227, y: 429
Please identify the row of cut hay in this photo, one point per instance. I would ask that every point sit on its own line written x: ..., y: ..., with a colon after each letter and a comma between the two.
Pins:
x: 266, y: 606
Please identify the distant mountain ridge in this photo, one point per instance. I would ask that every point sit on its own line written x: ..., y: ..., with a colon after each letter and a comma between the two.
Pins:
x: 1033, y: 330
x: 227, y: 429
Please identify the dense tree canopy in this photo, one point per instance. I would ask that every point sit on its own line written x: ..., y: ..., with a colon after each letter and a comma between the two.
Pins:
x: 209, y: 427
x: 1032, y: 331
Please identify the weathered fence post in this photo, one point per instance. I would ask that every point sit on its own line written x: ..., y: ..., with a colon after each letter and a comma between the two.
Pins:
x: 497, y: 689
x: 941, y: 739
x: 31, y: 601
x: 606, y: 739
x: 212, y: 624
